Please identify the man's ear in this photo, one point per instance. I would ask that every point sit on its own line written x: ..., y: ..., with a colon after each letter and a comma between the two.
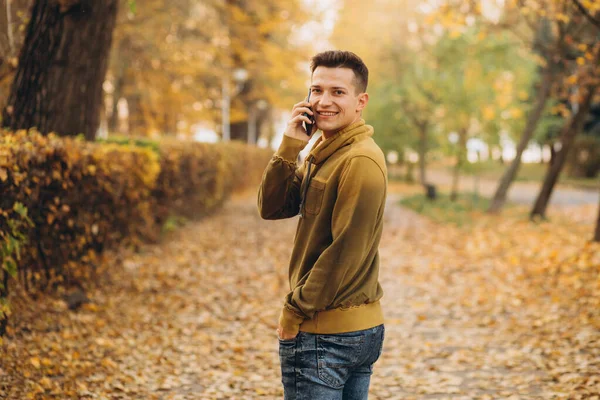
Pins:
x: 363, y: 99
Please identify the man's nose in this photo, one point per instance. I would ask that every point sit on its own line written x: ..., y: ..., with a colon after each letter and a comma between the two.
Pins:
x: 325, y: 99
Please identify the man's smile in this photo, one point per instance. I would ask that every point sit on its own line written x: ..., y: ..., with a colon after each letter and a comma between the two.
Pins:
x: 327, y: 113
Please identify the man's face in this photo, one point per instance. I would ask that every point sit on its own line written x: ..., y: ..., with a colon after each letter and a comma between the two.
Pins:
x: 335, y: 100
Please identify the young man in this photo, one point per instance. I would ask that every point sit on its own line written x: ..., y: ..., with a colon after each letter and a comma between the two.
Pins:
x: 331, y: 325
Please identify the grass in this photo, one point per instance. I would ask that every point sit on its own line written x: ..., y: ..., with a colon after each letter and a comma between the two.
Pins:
x: 493, y: 171
x: 139, y: 142
x: 461, y: 212
x: 173, y: 223
x: 529, y: 172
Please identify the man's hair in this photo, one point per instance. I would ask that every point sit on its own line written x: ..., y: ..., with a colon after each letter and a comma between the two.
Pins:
x: 343, y: 59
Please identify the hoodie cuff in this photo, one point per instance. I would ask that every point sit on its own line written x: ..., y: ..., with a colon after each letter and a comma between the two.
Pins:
x: 290, y: 148
x: 289, y: 321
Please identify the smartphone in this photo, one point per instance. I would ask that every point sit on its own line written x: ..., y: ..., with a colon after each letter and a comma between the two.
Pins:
x: 308, y: 127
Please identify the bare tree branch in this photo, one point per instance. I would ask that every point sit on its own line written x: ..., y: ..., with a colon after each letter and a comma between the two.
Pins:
x: 585, y: 12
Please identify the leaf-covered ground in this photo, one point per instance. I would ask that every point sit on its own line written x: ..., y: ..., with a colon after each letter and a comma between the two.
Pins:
x: 503, y: 309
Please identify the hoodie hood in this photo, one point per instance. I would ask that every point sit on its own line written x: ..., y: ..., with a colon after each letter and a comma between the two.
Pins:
x: 355, y: 132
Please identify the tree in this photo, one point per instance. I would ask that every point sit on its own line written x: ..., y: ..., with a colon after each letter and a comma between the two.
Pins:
x: 171, y: 59
x: 557, y: 28
x: 578, y: 89
x: 13, y: 20
x: 568, y: 134
x: 570, y: 130
x: 402, y: 99
x: 597, y: 231
x: 62, y: 65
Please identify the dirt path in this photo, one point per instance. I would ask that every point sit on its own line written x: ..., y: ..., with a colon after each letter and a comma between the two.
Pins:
x: 194, y: 318
x: 520, y: 192
x: 438, y: 345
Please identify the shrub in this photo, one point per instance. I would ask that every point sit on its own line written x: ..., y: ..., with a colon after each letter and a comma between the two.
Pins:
x: 65, y: 200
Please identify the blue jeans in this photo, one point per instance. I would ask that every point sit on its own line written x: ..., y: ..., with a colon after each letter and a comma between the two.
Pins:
x: 330, y: 367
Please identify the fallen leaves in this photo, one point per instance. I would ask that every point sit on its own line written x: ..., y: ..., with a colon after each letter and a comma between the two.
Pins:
x: 502, y: 309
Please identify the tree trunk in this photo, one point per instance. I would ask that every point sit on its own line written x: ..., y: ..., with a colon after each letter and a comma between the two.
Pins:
x: 63, y: 62
x: 239, y: 131
x: 6, y: 41
x: 136, y: 121
x: 552, y: 154
x: 460, y: 157
x: 422, y: 153
x: 570, y: 131
x: 3, y: 294
x: 113, y: 122
x: 532, y: 121
x: 597, y: 233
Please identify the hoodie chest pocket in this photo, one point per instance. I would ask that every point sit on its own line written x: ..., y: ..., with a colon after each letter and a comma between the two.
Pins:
x: 314, y: 196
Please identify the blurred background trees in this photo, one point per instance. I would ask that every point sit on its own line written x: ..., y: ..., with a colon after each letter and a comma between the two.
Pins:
x: 467, y: 84
x: 173, y: 61
x: 170, y: 63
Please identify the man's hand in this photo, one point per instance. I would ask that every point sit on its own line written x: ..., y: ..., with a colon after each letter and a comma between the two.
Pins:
x: 294, y: 127
x: 284, y: 335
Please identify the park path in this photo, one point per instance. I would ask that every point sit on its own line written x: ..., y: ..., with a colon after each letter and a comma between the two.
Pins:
x: 523, y: 193
x: 194, y: 318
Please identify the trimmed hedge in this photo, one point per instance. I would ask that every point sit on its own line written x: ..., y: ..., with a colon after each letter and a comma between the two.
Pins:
x: 65, y: 200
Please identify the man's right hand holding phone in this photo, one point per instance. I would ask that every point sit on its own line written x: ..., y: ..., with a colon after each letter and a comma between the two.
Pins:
x: 295, y: 128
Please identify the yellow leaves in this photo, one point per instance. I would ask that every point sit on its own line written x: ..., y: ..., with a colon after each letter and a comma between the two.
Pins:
x: 489, y: 113
x: 35, y: 362
x: 560, y: 109
x: 588, y: 4
x: 516, y: 113
x: 46, y: 383
x: 580, y: 61
x: 479, y: 290
x: 572, y: 80
x: 562, y: 17
x: 102, y: 342
x: 39, y: 363
x: 3, y: 174
x: 589, y: 56
x: 523, y: 95
x: 108, y: 363
x: 454, y: 34
x: 90, y: 307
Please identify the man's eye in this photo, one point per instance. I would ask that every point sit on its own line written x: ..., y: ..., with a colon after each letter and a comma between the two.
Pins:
x: 339, y: 92
x: 315, y: 90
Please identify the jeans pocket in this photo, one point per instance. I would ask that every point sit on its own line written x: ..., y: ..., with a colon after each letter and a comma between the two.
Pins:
x: 381, y: 340
x: 287, y: 359
x: 337, y: 355
x: 287, y: 347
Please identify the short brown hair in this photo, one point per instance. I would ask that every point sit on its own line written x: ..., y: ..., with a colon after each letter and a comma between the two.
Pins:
x: 343, y: 59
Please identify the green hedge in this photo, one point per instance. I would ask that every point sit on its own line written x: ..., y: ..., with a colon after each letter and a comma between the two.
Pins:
x: 65, y: 200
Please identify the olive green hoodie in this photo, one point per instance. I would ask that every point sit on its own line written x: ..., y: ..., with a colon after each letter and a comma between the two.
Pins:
x: 339, y: 193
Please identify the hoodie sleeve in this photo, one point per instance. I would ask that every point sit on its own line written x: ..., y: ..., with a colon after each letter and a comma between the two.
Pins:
x: 357, y: 212
x: 279, y: 192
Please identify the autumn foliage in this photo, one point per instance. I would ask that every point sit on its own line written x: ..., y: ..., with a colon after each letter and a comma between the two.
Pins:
x: 65, y: 200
